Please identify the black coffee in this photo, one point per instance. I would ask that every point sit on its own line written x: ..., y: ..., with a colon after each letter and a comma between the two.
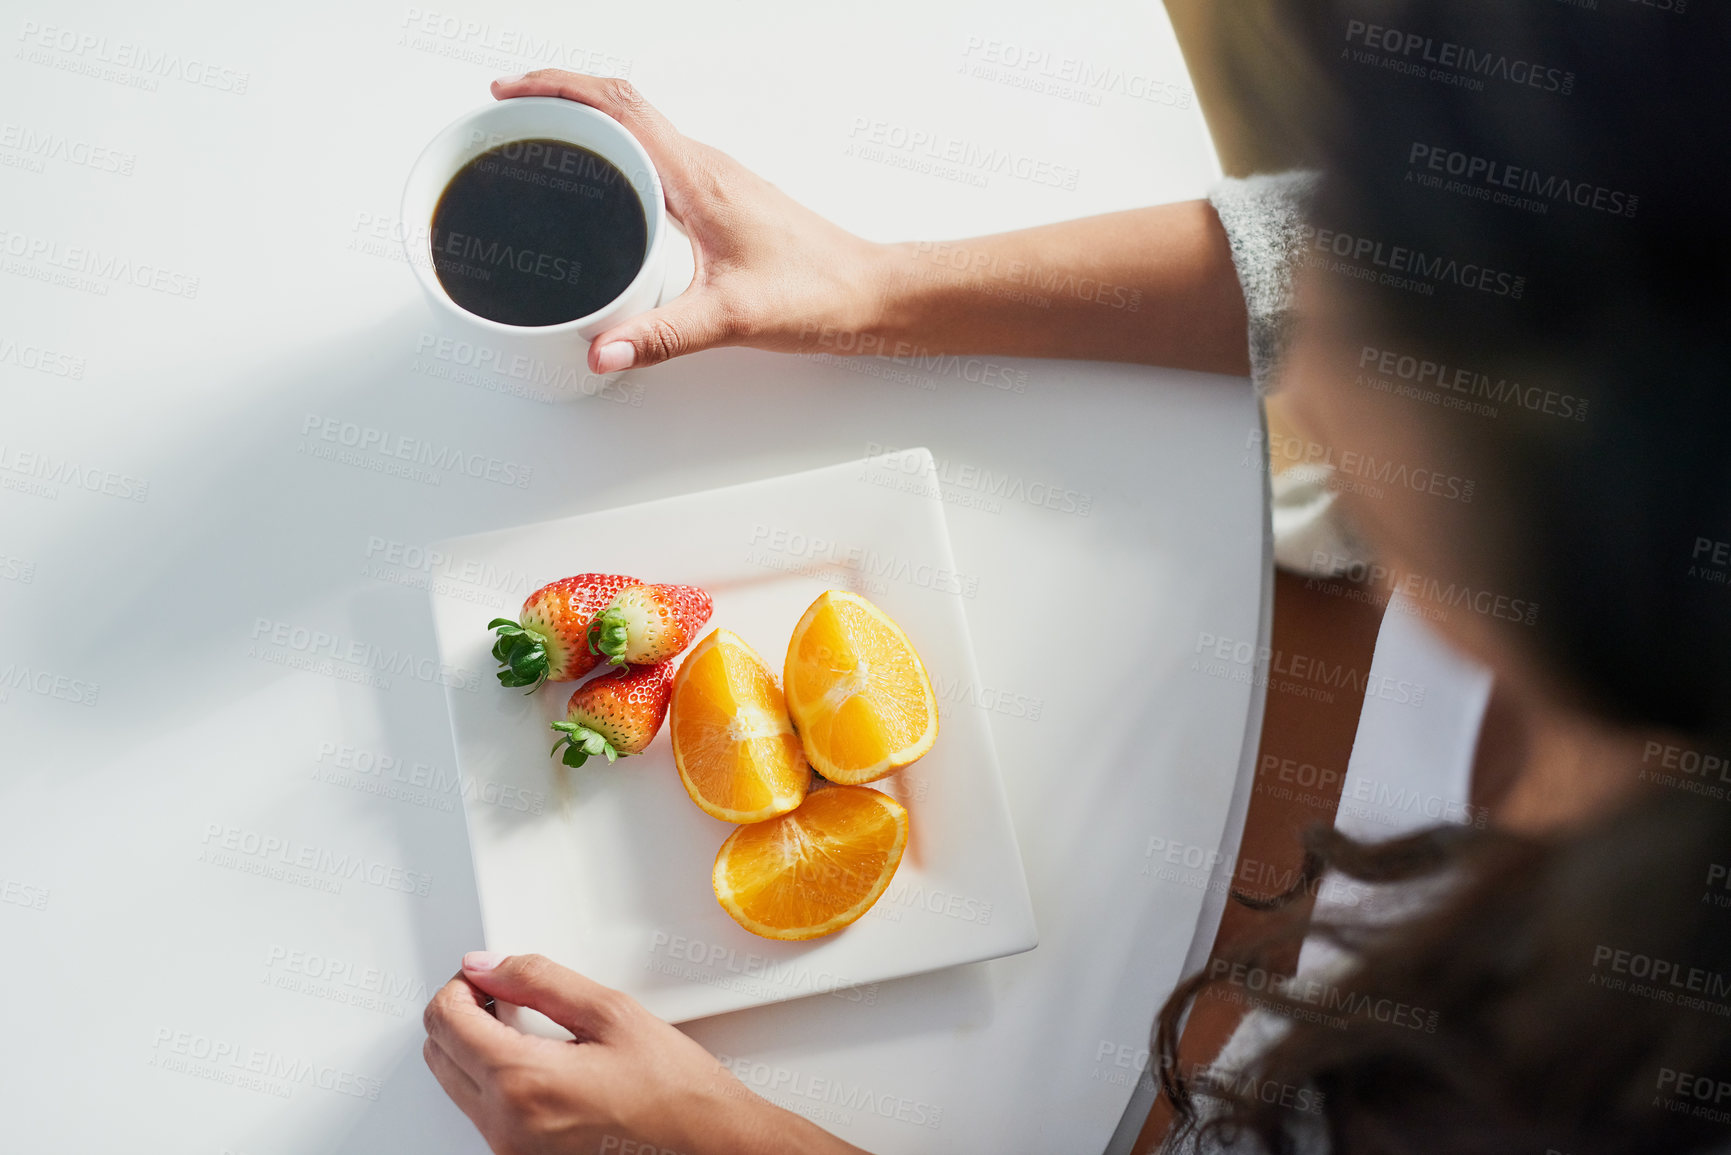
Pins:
x: 536, y: 232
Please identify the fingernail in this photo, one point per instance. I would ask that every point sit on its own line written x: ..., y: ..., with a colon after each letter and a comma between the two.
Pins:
x: 511, y: 79
x: 614, y: 356
x: 483, y: 960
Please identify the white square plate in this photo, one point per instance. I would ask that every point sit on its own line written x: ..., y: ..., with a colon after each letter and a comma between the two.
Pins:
x: 607, y: 868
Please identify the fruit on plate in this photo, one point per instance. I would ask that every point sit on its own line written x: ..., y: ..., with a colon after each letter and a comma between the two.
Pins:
x: 733, y: 743
x: 615, y: 714
x: 648, y: 623
x: 815, y: 869
x: 549, y: 640
x: 857, y: 692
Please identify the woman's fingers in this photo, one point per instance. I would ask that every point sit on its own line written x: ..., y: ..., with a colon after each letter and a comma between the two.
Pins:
x: 463, y: 1090
x: 457, y: 1020
x: 580, y: 1005
x: 696, y: 319
x: 765, y: 267
x: 618, y: 99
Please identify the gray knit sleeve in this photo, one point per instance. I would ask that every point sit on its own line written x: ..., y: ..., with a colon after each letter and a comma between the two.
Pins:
x: 1264, y: 217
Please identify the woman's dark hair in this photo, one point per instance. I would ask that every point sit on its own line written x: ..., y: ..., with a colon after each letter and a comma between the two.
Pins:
x: 1557, y: 172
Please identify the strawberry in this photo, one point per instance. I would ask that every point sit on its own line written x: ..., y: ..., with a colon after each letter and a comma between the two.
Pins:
x: 615, y: 714
x: 547, y: 642
x: 645, y: 624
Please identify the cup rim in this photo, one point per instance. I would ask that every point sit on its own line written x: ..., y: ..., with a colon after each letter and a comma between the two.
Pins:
x: 417, y: 238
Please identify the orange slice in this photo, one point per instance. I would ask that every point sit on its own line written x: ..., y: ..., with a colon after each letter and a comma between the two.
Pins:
x: 813, y: 871
x: 733, y: 743
x: 856, y: 690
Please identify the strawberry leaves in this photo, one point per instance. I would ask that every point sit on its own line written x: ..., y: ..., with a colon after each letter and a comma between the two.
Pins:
x: 608, y: 635
x: 581, y: 743
x: 521, y: 652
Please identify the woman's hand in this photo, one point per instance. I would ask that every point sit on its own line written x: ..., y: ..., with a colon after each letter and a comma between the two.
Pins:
x: 768, y: 269
x: 629, y: 1082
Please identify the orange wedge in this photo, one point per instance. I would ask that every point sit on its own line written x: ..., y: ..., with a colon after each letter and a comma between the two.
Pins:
x: 813, y: 871
x: 733, y: 743
x: 856, y: 690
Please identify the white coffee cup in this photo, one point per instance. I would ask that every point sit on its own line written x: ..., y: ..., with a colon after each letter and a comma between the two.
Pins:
x: 544, y: 118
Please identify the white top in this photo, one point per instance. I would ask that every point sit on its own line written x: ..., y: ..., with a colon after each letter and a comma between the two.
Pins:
x: 1264, y: 218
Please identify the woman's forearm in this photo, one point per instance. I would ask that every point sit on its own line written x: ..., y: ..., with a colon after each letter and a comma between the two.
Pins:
x: 1154, y: 286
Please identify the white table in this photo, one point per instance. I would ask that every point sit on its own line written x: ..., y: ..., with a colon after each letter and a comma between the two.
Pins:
x: 198, y: 269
